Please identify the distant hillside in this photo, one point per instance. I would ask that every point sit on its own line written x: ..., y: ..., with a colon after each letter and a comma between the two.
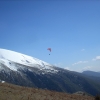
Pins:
x: 91, y: 73
x: 14, y: 92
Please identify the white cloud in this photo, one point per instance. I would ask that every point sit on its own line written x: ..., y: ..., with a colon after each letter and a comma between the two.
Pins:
x: 58, y: 64
x: 87, y: 68
x: 91, y: 68
x: 83, y: 50
x: 79, y: 62
x: 96, y: 58
x: 67, y: 68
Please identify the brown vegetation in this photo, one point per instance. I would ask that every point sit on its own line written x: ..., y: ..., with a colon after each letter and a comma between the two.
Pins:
x: 97, y: 97
x: 14, y: 92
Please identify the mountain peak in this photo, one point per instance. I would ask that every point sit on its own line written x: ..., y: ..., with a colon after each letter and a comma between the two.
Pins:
x: 8, y: 56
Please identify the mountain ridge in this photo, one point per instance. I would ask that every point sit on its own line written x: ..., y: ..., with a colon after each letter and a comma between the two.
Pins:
x: 43, y: 75
x: 8, y: 56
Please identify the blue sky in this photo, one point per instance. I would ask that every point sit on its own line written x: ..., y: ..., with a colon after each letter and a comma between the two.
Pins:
x: 70, y: 27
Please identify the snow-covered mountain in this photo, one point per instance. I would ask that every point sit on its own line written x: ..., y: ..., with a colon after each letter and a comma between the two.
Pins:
x: 20, y: 69
x: 9, y: 58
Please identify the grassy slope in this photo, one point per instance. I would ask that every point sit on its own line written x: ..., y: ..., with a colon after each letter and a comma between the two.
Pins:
x: 14, y: 92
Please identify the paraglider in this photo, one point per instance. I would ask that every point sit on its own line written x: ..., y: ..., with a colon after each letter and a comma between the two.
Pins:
x: 49, y: 50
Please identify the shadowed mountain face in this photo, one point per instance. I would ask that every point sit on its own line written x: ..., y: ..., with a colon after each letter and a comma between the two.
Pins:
x: 32, y: 72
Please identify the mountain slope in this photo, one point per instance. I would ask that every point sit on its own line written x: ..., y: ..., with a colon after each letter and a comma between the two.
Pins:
x: 24, y: 70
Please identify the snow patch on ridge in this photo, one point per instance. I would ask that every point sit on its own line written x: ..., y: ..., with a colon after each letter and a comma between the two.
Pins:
x: 9, y: 58
x: 20, y: 58
x: 8, y: 64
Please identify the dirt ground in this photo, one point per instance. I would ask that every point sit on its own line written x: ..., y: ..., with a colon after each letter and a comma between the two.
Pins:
x: 14, y: 92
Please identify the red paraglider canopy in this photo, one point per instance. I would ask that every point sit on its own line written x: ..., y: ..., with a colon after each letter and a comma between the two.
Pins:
x: 49, y: 49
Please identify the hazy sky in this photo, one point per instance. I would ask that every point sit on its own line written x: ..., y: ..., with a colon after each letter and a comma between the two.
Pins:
x: 70, y: 27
